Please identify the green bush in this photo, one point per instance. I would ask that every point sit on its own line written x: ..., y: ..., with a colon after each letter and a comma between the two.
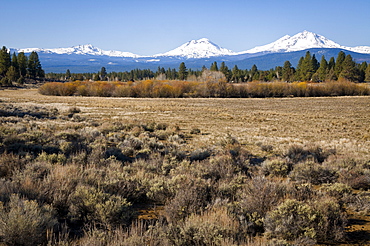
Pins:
x: 24, y: 222
x: 291, y: 220
x: 92, y: 205
x: 276, y: 167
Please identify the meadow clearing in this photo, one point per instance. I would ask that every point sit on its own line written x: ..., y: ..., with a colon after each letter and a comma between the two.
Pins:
x: 226, y: 148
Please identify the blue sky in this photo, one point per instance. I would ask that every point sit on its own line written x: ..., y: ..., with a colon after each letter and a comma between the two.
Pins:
x: 149, y: 27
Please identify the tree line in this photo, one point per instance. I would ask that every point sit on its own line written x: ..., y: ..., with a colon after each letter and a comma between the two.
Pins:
x: 343, y: 67
x: 18, y: 67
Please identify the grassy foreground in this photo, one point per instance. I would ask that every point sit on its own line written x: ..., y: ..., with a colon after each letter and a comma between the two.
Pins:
x: 124, y: 171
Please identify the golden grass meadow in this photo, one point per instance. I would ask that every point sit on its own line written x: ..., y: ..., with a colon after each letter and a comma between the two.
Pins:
x: 184, y: 171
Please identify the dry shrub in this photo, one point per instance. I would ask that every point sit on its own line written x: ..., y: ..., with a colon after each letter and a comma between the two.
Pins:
x: 213, y: 227
x: 24, y: 222
x: 357, y: 178
x: 322, y: 221
x: 336, y: 190
x: 200, y: 154
x: 298, y: 153
x: 301, y: 191
x: 276, y: 167
x: 191, y: 198
x: 92, y: 205
x: 314, y: 173
x: 291, y: 220
x: 359, y: 202
x: 259, y: 196
x: 9, y: 163
x: 331, y: 222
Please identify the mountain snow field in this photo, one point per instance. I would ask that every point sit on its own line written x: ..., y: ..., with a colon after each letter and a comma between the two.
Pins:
x: 204, y: 48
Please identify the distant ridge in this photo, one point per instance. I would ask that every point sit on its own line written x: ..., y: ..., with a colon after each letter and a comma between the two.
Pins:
x: 201, y: 48
x: 196, y: 53
x: 204, y: 48
x: 87, y: 49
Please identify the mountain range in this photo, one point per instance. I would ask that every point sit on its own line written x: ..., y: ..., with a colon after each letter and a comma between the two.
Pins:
x: 195, y: 54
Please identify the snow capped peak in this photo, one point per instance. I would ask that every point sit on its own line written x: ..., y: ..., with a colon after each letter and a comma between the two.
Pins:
x: 87, y: 49
x: 202, y: 40
x: 201, y: 48
x: 301, y: 41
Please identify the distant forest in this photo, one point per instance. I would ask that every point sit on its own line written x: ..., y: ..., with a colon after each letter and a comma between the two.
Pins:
x: 16, y: 68
x: 308, y: 69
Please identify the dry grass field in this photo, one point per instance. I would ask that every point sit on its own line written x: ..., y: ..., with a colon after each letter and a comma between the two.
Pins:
x: 342, y: 123
x: 265, y: 128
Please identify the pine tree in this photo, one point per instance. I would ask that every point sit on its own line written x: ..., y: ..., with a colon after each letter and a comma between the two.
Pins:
x: 225, y: 70
x: 15, y: 63
x: 349, y: 70
x: 183, y: 73
x: 322, y: 71
x: 331, y: 63
x: 307, y: 68
x: 12, y: 74
x: 298, y: 74
x: 22, y: 64
x: 103, y: 73
x: 254, y: 74
x: 5, y: 61
x: 287, y: 72
x: 314, y: 63
x: 34, y: 68
x: 367, y: 73
x: 68, y: 75
x: 362, y: 71
x: 235, y: 74
x: 214, y: 67
x: 338, y: 63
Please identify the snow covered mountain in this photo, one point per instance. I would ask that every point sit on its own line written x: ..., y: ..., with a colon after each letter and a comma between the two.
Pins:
x: 87, y: 49
x: 302, y: 41
x: 204, y: 48
x: 196, y: 53
x: 201, y: 48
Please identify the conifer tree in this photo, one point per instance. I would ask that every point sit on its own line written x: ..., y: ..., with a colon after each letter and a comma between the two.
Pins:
x: 68, y: 75
x: 5, y: 61
x: 367, y: 73
x: 307, y: 67
x: 235, y: 72
x: 214, y: 67
x: 12, y: 74
x: 362, y: 71
x: 15, y: 63
x: 225, y: 70
x: 103, y: 73
x: 254, y: 74
x: 331, y: 63
x: 322, y: 71
x: 349, y: 70
x: 287, y: 72
x: 314, y: 63
x: 183, y: 72
x: 298, y: 74
x: 338, y: 63
x: 22, y: 64
x: 34, y: 68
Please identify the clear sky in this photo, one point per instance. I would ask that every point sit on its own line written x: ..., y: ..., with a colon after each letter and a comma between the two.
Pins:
x: 148, y: 27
